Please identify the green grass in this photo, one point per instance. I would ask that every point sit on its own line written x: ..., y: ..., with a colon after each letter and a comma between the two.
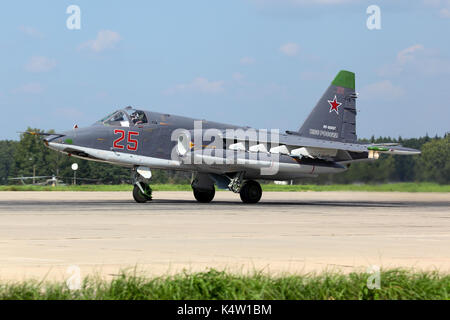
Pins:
x: 93, y: 187
x: 387, y: 187
x: 212, y: 285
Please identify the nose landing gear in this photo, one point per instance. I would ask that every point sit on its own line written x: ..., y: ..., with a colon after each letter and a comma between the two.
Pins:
x: 141, y: 191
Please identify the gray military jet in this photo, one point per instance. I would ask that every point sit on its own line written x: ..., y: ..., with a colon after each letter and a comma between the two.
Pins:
x: 227, y: 156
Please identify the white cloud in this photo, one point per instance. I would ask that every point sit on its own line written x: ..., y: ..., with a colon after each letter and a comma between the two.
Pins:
x: 32, y: 32
x: 40, y: 64
x: 106, y: 39
x: 29, y: 88
x: 247, y: 60
x: 383, y: 90
x: 290, y: 49
x: 102, y: 95
x: 408, y: 54
x: 201, y: 85
x: 238, y: 76
x: 445, y: 12
x: 443, y: 7
x: 417, y: 59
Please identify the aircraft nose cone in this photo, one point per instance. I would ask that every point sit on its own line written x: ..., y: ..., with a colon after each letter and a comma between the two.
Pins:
x: 57, y: 141
x: 51, y: 138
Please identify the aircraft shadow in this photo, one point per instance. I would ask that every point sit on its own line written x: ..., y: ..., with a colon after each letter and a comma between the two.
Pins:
x: 282, y: 203
x: 167, y: 204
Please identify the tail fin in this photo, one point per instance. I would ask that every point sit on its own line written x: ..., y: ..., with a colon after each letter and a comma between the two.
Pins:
x: 334, y: 116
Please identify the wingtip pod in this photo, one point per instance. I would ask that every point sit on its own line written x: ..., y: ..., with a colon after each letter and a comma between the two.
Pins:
x: 398, y: 150
x: 345, y: 79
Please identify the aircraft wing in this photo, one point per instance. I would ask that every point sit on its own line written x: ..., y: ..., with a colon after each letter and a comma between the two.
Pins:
x: 296, y: 146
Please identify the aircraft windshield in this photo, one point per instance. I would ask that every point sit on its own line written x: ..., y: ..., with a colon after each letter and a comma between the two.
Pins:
x: 137, y: 117
x: 116, y: 119
x: 125, y: 118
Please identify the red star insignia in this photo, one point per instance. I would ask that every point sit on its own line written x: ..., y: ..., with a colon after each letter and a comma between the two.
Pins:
x: 334, y: 105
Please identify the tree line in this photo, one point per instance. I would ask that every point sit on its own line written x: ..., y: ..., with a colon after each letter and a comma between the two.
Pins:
x: 29, y: 156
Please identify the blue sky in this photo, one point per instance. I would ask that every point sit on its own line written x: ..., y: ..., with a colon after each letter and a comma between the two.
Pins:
x: 262, y: 63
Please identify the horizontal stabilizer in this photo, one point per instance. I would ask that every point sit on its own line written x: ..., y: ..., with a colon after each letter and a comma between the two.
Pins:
x: 34, y: 133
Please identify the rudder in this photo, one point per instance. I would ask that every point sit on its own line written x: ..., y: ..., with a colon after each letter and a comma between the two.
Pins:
x: 334, y: 116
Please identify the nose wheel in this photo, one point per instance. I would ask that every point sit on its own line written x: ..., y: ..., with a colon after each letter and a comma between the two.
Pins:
x: 142, y: 192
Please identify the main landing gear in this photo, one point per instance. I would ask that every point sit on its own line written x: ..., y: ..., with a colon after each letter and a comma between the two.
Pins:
x: 250, y: 192
x: 203, y: 186
x: 204, y: 189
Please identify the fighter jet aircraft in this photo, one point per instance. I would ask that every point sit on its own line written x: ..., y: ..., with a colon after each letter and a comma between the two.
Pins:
x: 49, y: 180
x: 227, y: 156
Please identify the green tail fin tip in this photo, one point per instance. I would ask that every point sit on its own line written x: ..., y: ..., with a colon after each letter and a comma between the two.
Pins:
x: 345, y: 79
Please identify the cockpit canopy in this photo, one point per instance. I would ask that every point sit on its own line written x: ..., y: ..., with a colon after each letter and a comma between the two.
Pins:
x: 125, y: 118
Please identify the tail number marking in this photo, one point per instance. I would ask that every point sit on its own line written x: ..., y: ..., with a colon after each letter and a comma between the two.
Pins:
x: 132, y: 144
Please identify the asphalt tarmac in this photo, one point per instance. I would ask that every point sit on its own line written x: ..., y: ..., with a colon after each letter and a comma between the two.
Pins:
x: 42, y: 234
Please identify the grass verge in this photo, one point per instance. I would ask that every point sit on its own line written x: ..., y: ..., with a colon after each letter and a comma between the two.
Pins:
x: 220, y: 285
x: 388, y: 187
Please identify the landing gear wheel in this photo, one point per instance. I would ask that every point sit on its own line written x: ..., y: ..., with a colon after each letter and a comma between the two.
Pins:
x: 204, y: 196
x: 140, y: 197
x: 251, y: 192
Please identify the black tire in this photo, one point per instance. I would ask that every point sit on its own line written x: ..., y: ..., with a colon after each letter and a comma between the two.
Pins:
x: 251, y: 192
x: 204, y: 196
x: 138, y: 196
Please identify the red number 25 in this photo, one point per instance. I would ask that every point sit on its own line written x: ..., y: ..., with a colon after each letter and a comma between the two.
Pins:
x: 132, y: 144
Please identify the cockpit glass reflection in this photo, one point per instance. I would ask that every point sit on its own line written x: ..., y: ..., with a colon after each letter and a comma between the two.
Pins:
x: 137, y: 116
x: 125, y: 118
x: 116, y: 119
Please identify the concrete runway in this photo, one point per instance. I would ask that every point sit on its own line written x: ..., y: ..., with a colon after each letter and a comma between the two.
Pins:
x: 43, y: 233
